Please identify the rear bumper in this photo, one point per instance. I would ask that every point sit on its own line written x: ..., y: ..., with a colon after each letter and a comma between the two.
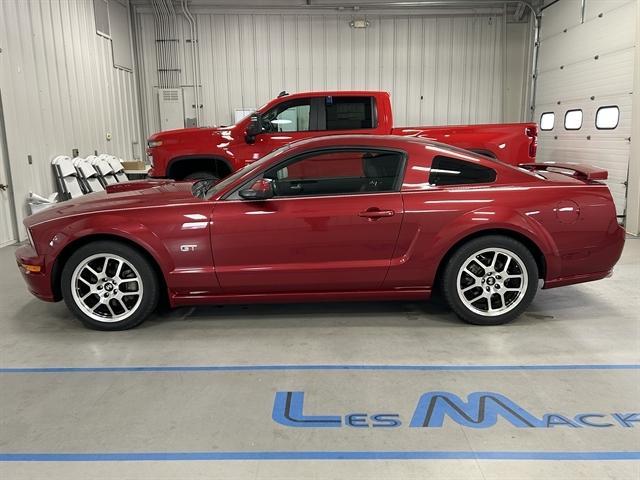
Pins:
x: 38, y: 283
x: 587, y: 277
x: 591, y: 263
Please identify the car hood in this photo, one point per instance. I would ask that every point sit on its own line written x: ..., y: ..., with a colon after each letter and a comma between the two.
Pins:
x: 128, y: 195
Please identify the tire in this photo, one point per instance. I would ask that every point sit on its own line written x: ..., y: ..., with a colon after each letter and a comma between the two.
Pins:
x: 109, y: 286
x: 202, y: 175
x: 488, y: 295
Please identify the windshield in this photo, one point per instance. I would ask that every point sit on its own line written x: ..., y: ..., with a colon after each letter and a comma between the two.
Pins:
x: 247, y: 169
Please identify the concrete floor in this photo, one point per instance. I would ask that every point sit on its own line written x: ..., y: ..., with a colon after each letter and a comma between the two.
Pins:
x: 225, y: 414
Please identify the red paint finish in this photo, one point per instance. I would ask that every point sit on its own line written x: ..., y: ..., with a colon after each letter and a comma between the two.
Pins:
x: 201, y: 148
x: 359, y: 246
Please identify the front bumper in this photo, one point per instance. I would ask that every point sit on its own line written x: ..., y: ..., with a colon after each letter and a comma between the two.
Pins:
x: 38, y: 282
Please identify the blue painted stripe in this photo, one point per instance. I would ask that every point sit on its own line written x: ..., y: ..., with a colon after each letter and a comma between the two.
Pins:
x: 250, y: 368
x: 313, y: 455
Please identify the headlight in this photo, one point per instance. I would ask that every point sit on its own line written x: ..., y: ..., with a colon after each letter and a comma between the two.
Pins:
x: 154, y: 143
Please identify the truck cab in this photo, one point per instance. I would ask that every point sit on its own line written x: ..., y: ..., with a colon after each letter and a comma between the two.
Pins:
x: 196, y: 153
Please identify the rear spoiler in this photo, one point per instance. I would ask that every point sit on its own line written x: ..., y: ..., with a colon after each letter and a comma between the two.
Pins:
x: 583, y: 172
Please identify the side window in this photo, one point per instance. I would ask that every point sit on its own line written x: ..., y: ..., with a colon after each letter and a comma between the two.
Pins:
x: 547, y: 120
x: 338, y: 173
x: 607, y: 118
x: 573, y: 120
x: 349, y: 113
x: 451, y: 171
x: 290, y: 116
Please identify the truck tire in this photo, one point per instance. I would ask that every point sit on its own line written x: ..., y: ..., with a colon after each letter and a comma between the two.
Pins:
x: 201, y: 176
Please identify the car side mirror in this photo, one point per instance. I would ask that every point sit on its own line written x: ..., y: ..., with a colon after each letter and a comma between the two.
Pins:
x: 254, y: 128
x: 261, y: 189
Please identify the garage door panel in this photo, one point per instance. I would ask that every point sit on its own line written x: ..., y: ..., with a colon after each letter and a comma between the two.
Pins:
x: 561, y: 15
x: 593, y: 8
x: 614, y: 31
x: 610, y: 74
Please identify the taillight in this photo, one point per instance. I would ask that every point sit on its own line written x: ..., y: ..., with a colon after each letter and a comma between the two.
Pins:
x: 532, y: 133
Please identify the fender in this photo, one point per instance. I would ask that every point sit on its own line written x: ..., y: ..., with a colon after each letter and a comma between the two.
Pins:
x: 422, y: 251
x: 114, y: 225
x: 499, y: 218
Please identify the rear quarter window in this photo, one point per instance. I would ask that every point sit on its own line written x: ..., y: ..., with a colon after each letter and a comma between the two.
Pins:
x: 451, y: 171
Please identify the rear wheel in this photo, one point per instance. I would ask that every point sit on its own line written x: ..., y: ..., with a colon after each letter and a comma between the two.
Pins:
x: 490, y: 280
x: 109, y: 286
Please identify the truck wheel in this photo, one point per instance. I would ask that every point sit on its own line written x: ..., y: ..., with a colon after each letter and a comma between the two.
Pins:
x: 490, y: 280
x: 201, y: 176
x: 109, y: 286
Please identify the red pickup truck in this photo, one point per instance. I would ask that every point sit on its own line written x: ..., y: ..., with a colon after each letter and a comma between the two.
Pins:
x: 208, y: 152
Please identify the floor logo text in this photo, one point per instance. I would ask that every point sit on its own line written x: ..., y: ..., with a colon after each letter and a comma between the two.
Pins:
x: 481, y: 410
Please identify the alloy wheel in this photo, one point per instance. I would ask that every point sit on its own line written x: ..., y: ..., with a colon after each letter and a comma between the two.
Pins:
x: 107, y: 287
x: 492, y: 281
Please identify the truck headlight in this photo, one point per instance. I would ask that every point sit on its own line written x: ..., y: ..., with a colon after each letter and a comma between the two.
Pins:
x: 154, y: 143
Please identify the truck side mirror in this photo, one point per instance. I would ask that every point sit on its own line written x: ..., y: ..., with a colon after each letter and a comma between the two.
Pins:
x: 254, y: 128
x: 261, y: 189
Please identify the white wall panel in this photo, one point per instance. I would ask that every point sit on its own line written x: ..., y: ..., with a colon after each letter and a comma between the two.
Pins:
x: 440, y: 69
x: 60, y: 91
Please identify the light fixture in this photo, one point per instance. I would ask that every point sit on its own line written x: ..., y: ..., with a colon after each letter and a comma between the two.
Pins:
x: 359, y: 23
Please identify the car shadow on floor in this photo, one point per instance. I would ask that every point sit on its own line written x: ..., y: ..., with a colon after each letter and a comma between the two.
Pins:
x: 549, y: 306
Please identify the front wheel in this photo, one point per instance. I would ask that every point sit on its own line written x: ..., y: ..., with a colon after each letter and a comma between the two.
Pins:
x: 490, y: 280
x: 109, y: 286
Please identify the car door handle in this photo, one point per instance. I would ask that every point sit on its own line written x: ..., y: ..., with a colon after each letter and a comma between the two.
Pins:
x: 375, y: 213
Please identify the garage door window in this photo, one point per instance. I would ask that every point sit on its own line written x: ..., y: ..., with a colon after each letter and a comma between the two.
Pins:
x: 451, y: 171
x: 573, y: 120
x: 607, y: 118
x: 547, y: 120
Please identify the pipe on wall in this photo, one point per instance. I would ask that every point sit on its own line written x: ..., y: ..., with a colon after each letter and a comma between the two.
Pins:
x: 195, y: 57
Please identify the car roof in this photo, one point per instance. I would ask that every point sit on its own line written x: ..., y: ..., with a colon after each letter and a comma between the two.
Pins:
x: 389, y: 141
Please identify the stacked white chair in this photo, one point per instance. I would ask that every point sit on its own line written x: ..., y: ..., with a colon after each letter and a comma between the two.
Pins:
x: 67, y: 177
x: 102, y: 165
x: 118, y: 169
x: 88, y: 174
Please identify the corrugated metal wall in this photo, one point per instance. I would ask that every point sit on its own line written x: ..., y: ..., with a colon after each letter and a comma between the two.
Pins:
x: 439, y: 69
x: 586, y: 64
x: 60, y: 90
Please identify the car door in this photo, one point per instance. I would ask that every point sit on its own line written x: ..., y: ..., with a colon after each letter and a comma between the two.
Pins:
x: 331, y: 226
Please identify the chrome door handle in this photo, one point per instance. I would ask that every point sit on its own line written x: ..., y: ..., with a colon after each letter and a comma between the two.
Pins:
x: 374, y: 213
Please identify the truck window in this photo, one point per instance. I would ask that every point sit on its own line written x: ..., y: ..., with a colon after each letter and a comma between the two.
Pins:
x: 451, y: 171
x: 292, y: 116
x: 350, y: 113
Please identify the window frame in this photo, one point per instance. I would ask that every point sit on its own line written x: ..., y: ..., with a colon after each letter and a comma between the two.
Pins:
x: 292, y: 103
x: 617, y: 121
x: 581, y: 119
x: 233, y: 195
x: 372, y: 105
x: 460, y: 185
x: 553, y: 123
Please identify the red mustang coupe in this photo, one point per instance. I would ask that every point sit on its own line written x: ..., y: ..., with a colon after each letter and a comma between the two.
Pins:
x: 350, y: 217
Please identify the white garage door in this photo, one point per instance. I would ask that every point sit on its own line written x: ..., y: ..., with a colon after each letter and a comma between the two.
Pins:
x: 586, y: 65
